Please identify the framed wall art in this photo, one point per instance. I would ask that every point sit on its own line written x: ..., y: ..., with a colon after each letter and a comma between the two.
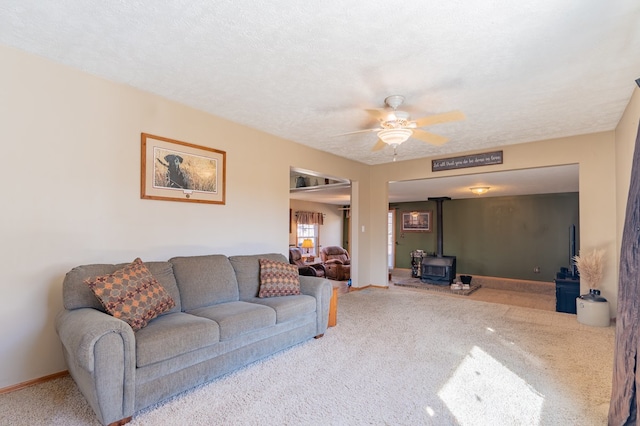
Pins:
x: 417, y: 221
x: 172, y: 170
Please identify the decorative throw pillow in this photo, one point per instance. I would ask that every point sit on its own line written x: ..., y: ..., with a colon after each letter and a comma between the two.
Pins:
x: 278, y: 279
x: 131, y: 294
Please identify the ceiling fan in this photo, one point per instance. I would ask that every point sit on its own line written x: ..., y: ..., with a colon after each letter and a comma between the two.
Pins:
x: 396, y: 126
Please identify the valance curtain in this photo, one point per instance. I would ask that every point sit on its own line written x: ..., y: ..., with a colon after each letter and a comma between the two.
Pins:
x: 309, y: 218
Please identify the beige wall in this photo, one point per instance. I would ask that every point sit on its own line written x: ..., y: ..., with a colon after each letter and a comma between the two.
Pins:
x: 71, y: 191
x: 625, y: 143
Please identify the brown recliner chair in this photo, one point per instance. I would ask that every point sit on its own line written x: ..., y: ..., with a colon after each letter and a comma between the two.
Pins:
x: 337, y: 263
x: 295, y: 258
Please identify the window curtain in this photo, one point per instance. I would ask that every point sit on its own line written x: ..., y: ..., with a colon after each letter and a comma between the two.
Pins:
x: 623, y: 409
x: 310, y: 218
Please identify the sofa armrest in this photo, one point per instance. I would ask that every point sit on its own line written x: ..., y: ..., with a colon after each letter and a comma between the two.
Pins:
x: 320, y: 266
x: 333, y: 261
x: 100, y: 354
x: 307, y: 270
x: 321, y: 289
x: 80, y: 329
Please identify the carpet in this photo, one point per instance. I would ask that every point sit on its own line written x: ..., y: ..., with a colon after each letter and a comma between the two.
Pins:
x: 396, y: 357
x: 416, y: 283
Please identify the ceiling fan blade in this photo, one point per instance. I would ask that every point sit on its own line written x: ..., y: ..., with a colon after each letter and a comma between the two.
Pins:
x: 379, y: 145
x: 378, y: 114
x: 427, y: 137
x: 358, y: 131
x: 440, y: 118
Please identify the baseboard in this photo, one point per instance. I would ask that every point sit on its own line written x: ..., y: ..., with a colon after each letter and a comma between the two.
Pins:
x: 28, y: 383
x: 385, y: 287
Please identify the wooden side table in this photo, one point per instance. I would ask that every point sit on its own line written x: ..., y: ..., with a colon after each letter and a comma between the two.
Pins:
x: 333, y: 308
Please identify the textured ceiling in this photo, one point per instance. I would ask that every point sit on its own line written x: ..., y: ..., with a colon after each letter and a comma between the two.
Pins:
x: 520, y: 71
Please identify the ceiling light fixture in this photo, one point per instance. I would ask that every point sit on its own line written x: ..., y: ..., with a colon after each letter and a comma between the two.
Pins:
x: 479, y: 190
x: 394, y: 137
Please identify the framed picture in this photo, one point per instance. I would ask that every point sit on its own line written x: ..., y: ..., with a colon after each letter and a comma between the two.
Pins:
x: 180, y: 171
x: 416, y: 221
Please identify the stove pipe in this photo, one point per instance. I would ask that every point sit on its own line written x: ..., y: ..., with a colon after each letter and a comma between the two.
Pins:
x: 439, y: 237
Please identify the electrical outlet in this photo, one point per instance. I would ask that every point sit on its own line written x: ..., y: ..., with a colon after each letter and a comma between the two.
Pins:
x: 536, y: 270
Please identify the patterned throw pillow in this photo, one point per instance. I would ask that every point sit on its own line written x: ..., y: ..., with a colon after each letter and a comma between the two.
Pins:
x: 131, y: 294
x: 278, y: 279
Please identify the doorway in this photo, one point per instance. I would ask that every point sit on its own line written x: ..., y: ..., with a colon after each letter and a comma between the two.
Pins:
x: 316, y: 192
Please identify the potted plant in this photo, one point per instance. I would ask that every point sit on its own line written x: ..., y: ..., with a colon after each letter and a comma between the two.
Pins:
x: 590, y: 268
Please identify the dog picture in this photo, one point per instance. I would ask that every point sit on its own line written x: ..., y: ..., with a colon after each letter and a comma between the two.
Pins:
x: 180, y: 171
x: 176, y: 177
x: 184, y: 172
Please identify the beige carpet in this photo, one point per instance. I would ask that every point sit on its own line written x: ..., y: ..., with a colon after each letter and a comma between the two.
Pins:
x: 395, y: 358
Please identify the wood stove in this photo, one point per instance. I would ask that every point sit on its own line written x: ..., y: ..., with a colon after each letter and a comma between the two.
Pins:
x: 438, y: 269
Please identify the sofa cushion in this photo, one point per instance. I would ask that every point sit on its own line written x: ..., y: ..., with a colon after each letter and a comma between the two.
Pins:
x: 290, y: 307
x: 204, y: 280
x: 77, y: 295
x: 237, y: 318
x: 172, y: 335
x: 131, y: 294
x: 278, y: 279
x: 247, y: 269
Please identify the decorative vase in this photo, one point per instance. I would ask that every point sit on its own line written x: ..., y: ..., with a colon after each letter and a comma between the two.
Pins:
x: 593, y: 309
x: 593, y: 295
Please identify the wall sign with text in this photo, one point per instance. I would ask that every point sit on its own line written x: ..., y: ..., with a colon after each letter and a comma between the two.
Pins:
x: 475, y: 160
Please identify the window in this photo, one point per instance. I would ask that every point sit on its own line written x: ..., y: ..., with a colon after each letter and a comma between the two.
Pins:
x: 305, y: 231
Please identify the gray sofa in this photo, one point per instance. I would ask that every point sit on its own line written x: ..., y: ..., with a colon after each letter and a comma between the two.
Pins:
x: 218, y: 325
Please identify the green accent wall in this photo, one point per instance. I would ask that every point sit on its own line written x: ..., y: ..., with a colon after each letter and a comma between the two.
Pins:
x: 346, y: 217
x: 505, y: 237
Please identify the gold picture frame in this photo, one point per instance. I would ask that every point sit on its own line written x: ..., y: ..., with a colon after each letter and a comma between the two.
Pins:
x: 173, y: 170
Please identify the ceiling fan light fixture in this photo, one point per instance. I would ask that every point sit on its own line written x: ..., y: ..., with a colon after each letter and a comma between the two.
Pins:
x: 394, y: 137
x: 394, y: 101
x: 479, y: 190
